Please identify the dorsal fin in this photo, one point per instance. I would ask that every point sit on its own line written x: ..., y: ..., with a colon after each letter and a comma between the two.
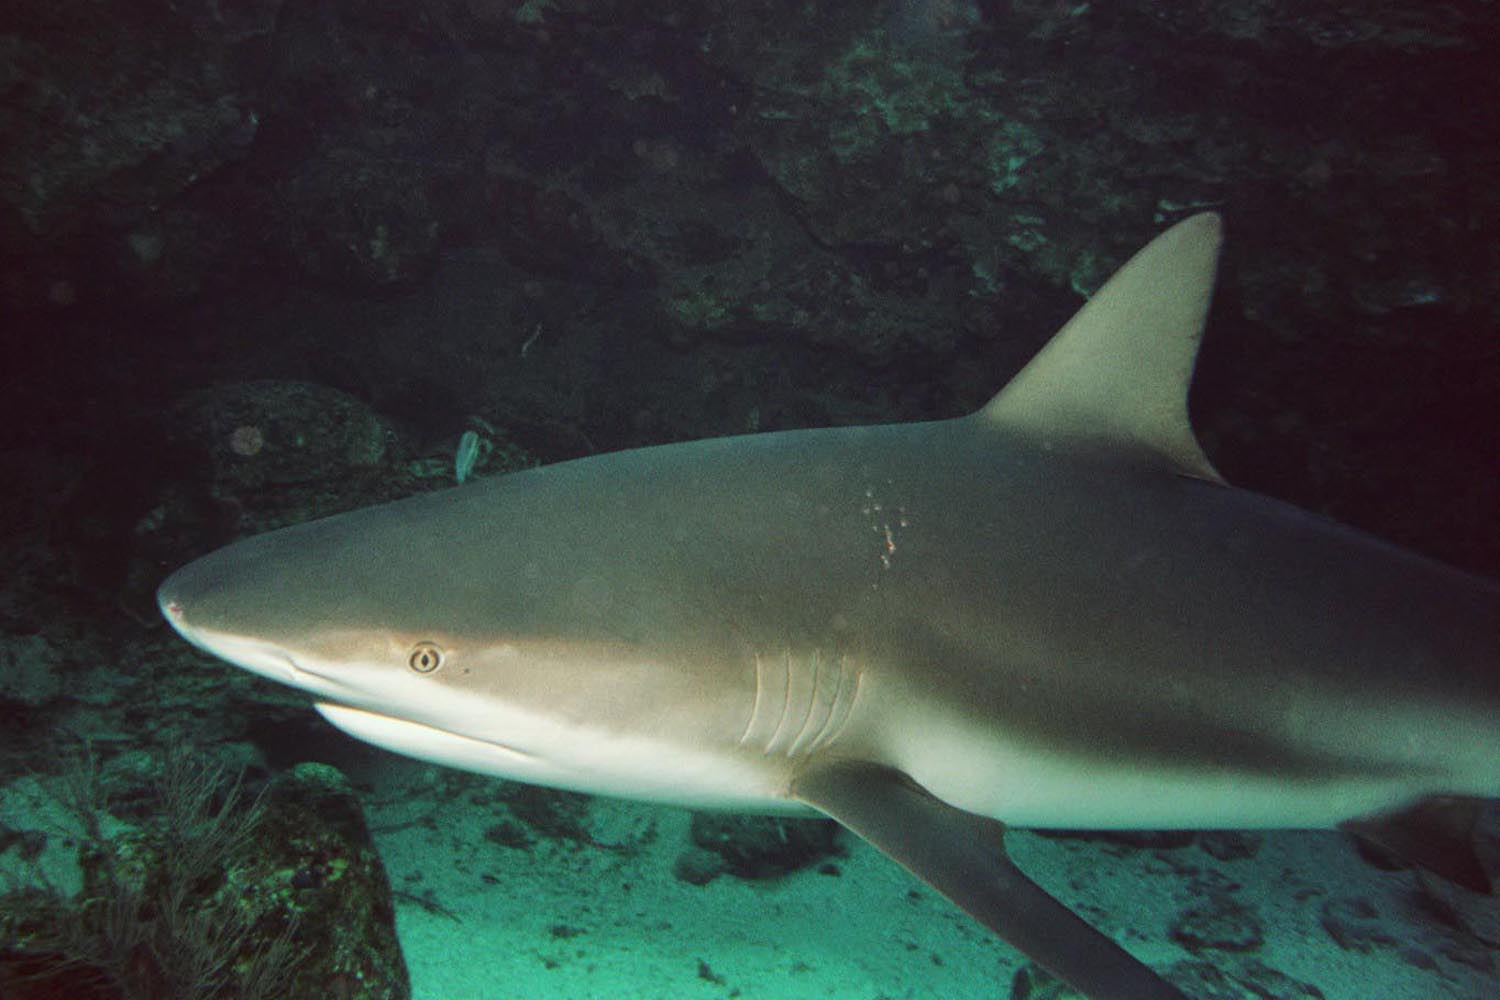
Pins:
x: 1118, y: 372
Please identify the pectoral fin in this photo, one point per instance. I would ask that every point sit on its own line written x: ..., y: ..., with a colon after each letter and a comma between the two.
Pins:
x: 963, y: 857
x: 1436, y: 833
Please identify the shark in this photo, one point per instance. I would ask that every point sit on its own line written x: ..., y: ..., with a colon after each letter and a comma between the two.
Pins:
x: 1050, y: 613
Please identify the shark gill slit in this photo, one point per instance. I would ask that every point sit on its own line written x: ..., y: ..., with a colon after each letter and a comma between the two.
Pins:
x: 845, y: 694
x: 770, y: 704
x: 755, y: 705
x: 802, y: 708
x: 819, y: 704
x: 788, y: 701
x: 806, y: 697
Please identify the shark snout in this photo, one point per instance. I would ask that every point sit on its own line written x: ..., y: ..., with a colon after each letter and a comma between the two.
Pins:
x: 185, y: 592
x: 199, y: 606
x: 235, y: 590
x: 181, y: 605
x: 186, y: 598
x: 172, y: 609
x: 172, y: 597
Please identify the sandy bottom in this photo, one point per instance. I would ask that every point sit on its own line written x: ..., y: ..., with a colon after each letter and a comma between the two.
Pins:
x: 482, y: 921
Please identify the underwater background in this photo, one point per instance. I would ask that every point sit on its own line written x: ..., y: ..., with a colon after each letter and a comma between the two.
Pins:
x: 267, y: 260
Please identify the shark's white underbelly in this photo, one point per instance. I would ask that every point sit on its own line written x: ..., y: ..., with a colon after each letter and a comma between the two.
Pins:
x: 632, y: 767
x: 1025, y: 786
x: 1061, y: 794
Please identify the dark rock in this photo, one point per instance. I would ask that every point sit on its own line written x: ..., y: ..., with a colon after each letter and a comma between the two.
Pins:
x: 116, y: 114
x: 315, y: 830
x: 765, y: 846
x: 1355, y: 924
x: 30, y: 674
x: 1253, y: 980
x: 551, y: 812
x: 697, y: 866
x: 1417, y: 958
x: 1473, y: 953
x: 211, y: 889
x: 510, y: 834
x: 253, y: 434
x: 1221, y: 925
x: 1266, y: 983
x: 1229, y: 845
x: 353, y: 218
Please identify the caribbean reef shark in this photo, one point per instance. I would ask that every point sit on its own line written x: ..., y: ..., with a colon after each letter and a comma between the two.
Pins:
x: 1050, y: 613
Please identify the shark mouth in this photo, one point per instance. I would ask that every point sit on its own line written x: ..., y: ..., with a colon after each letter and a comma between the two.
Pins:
x: 425, y: 742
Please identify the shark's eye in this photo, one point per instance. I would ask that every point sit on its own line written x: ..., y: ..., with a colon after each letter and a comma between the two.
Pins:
x: 425, y: 657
